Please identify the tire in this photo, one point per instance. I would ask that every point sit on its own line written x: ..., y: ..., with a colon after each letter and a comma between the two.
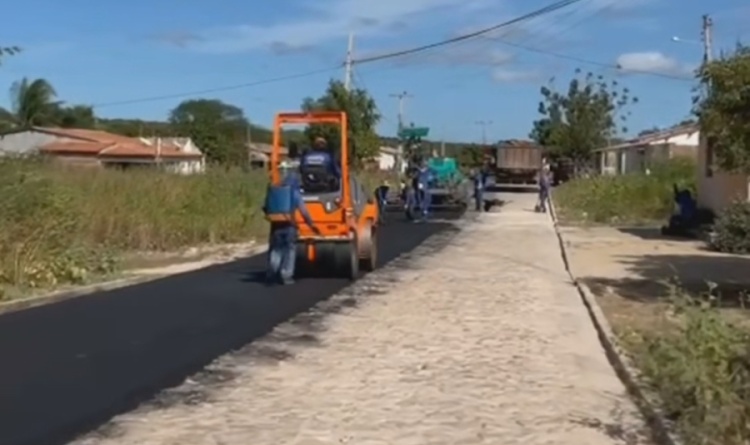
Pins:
x: 371, y: 262
x: 347, y: 260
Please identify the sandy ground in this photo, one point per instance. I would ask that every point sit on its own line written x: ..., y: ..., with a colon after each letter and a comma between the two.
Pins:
x: 478, y: 339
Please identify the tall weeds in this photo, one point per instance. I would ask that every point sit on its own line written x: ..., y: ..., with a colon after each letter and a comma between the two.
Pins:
x: 60, y: 224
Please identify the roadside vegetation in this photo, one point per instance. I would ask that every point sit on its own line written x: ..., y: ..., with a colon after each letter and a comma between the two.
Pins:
x: 631, y: 199
x: 60, y: 225
x: 691, y: 345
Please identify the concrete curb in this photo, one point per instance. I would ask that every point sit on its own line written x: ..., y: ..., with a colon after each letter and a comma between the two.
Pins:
x: 68, y: 294
x: 663, y: 430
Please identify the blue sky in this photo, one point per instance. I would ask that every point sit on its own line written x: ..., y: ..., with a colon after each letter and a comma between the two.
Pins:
x: 97, y: 54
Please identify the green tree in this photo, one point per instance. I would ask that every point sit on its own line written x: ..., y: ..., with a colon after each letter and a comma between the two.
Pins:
x: 219, y: 129
x: 362, y: 113
x: 75, y: 116
x: 34, y: 102
x: 724, y: 111
x: 589, y: 115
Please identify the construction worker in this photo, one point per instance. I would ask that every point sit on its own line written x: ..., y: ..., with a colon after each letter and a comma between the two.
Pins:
x: 545, y: 182
x: 321, y: 154
x: 381, y: 195
x: 479, y: 183
x: 283, y: 235
x: 423, y: 180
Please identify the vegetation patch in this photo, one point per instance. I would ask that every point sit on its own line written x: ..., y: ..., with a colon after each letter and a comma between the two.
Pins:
x: 61, y: 225
x: 698, y: 361
x: 632, y: 199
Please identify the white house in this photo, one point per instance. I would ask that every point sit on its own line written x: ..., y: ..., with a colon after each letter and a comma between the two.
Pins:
x: 637, y: 154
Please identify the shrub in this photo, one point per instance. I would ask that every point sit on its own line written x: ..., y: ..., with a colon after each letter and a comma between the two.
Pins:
x: 61, y: 225
x: 732, y: 229
x: 700, y: 368
x: 625, y: 199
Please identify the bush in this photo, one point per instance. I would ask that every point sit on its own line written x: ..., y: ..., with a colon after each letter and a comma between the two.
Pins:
x: 625, y: 199
x: 732, y: 229
x: 60, y: 225
x: 700, y: 368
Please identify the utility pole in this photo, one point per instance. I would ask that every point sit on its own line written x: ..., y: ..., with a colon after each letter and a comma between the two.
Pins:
x: 402, y: 96
x: 707, y: 37
x: 349, y: 63
x: 484, y: 125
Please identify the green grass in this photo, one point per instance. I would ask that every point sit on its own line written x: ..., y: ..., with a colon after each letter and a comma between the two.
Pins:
x: 633, y: 199
x: 698, y: 362
x: 63, y: 225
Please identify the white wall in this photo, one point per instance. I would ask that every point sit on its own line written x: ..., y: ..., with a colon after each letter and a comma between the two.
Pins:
x: 680, y: 139
x: 386, y: 161
x: 26, y: 142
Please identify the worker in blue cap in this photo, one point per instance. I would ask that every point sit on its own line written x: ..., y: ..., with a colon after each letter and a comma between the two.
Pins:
x: 283, y: 236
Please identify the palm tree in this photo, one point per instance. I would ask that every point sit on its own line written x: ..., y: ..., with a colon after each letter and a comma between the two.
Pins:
x: 34, y: 102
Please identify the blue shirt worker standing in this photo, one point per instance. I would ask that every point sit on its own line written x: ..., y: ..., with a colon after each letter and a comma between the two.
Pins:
x: 479, y: 182
x: 282, y: 242
x: 381, y: 195
x: 424, y: 177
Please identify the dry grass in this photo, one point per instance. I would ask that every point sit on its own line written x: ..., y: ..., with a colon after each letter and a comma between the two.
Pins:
x: 680, y: 311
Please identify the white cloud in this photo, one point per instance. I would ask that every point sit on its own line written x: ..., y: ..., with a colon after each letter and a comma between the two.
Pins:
x: 326, y: 20
x: 652, y: 62
x: 504, y: 75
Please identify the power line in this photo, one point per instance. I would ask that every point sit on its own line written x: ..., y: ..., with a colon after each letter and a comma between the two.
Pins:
x: 589, y: 62
x: 542, y: 11
x: 545, y: 10
x: 218, y: 89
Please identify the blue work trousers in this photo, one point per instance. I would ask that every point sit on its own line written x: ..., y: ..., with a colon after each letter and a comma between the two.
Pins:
x: 478, y: 199
x: 282, y: 253
x: 424, y: 199
x: 543, y: 197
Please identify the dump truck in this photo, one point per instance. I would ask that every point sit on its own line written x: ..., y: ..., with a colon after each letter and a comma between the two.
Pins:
x: 515, y: 162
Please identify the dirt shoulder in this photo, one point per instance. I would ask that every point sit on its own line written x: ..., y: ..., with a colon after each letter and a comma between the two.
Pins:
x: 632, y: 271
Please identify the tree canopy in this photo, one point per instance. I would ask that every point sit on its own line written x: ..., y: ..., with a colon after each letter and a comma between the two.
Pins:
x: 218, y: 128
x: 724, y: 112
x: 361, y: 111
x: 587, y: 116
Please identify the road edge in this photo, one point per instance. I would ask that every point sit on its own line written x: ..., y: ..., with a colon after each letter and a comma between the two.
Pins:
x: 140, y: 278
x: 663, y: 430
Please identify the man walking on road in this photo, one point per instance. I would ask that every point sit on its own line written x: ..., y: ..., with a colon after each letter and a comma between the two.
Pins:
x: 282, y: 242
x: 545, y: 182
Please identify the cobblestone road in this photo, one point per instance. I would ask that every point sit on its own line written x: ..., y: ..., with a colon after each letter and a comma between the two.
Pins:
x: 477, y: 339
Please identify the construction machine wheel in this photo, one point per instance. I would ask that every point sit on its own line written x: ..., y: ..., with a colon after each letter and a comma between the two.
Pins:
x: 368, y: 245
x: 346, y: 259
x: 302, y: 266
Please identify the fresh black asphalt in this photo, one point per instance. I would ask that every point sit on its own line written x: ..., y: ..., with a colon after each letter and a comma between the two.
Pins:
x: 67, y: 367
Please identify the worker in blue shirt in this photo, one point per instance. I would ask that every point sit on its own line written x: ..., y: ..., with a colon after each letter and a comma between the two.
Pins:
x: 424, y: 178
x: 479, y: 183
x: 283, y: 236
x: 321, y: 154
x: 381, y: 195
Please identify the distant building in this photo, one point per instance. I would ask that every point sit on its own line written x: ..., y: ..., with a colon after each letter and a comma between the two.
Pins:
x: 96, y: 148
x: 640, y: 153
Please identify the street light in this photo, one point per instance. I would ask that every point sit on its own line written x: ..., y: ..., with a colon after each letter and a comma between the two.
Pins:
x: 681, y: 40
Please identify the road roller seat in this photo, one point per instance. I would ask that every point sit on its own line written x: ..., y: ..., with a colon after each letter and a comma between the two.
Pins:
x: 317, y: 178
